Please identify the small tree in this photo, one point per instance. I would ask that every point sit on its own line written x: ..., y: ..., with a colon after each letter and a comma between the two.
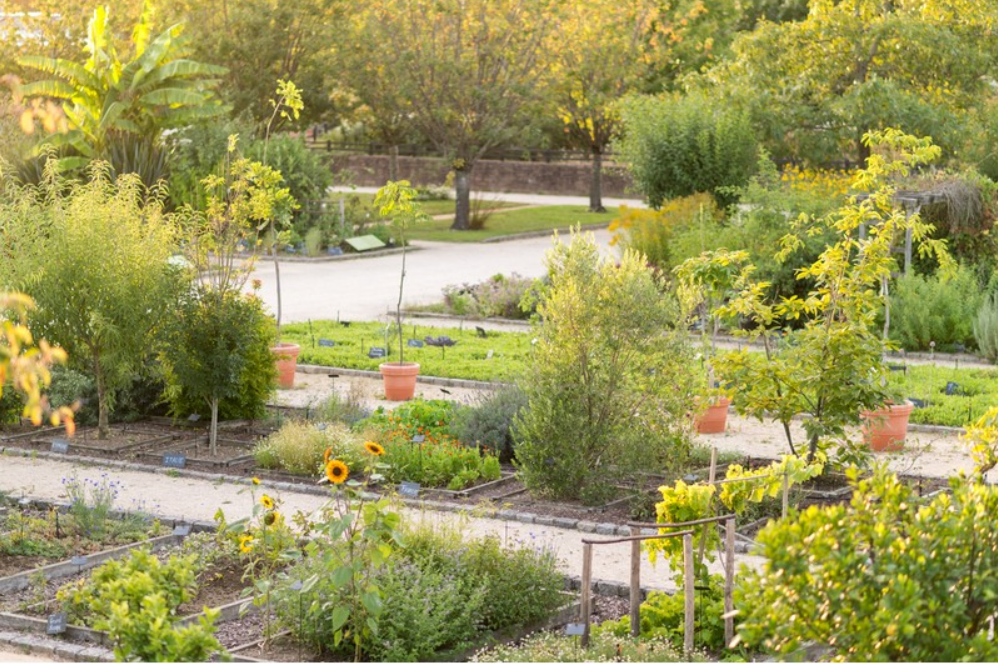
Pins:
x: 831, y: 368
x: 610, y: 380
x: 95, y: 258
x: 395, y: 202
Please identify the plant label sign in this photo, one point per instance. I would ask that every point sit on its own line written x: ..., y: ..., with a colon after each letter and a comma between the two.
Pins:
x: 174, y: 460
x: 418, y: 438
x: 182, y: 531
x: 481, y: 332
x: 60, y: 445
x: 414, y: 343
x: 376, y: 351
x: 78, y: 561
x: 952, y: 388
x: 409, y: 489
x: 326, y: 343
x: 193, y: 417
x: 56, y: 624
x: 488, y: 356
x: 575, y: 629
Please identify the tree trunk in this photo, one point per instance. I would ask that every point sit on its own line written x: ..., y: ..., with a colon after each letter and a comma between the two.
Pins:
x: 213, y: 431
x: 862, y: 150
x: 103, y: 428
x: 393, y: 163
x: 596, y: 183
x: 277, y: 280
x: 462, y: 194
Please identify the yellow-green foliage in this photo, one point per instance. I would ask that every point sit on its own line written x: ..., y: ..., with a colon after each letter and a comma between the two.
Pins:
x: 768, y: 481
x: 650, y: 232
x: 299, y: 447
x: 982, y: 440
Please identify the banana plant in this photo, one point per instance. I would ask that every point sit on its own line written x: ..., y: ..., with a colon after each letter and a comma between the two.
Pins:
x: 107, y: 99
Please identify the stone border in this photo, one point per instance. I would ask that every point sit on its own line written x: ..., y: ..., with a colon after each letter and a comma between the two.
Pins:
x: 543, y: 233
x: 41, y: 645
x: 428, y: 380
x: 327, y: 259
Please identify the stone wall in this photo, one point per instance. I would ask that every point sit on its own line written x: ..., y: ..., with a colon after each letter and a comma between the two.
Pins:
x: 528, y: 177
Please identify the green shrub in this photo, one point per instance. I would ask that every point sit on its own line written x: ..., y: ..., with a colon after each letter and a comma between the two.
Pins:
x: 610, y: 381
x: 663, y: 617
x: 438, y: 461
x: 127, y: 582
x: 935, y: 309
x: 986, y: 328
x: 304, y: 172
x: 652, y: 232
x: 416, y: 416
x: 886, y: 577
x: 151, y: 635
x: 300, y: 447
x: 488, y: 424
x: 11, y: 405
x: 498, y: 296
x: 682, y: 145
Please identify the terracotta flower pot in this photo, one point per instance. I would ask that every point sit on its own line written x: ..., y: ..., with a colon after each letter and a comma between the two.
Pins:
x: 885, y: 429
x: 286, y: 359
x: 400, y: 380
x: 715, y: 418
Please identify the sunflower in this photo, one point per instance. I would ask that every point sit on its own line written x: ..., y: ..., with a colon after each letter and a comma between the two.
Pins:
x: 267, y: 502
x: 325, y: 455
x: 337, y: 471
x: 373, y: 448
x: 256, y: 481
x: 270, y: 518
x: 246, y: 543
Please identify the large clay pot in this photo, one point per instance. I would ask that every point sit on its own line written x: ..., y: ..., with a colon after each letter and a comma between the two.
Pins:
x: 715, y: 418
x: 400, y: 380
x: 286, y: 359
x: 884, y: 429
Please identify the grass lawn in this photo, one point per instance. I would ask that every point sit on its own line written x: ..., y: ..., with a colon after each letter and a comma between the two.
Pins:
x: 432, y: 208
x: 469, y: 358
x: 541, y: 218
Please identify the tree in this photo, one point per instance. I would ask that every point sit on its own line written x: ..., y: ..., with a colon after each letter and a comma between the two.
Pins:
x: 470, y: 68
x: 831, y: 368
x: 118, y: 106
x: 610, y: 379
x: 886, y: 577
x: 820, y: 84
x: 95, y: 258
x: 262, y: 41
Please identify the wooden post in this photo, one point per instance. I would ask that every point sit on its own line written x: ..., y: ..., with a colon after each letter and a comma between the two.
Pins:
x: 635, y: 583
x: 688, y: 591
x: 907, y: 244
x: 786, y: 494
x: 729, y: 580
x: 587, y: 579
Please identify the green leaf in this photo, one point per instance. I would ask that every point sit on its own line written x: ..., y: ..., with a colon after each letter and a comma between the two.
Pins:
x: 339, y: 618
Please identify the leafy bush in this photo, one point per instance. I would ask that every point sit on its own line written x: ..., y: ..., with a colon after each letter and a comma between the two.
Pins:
x: 682, y: 145
x: 150, y: 634
x: 304, y: 172
x: 300, y: 447
x: 489, y: 423
x: 11, y: 405
x: 498, y: 296
x: 651, y: 232
x: 418, y: 416
x: 663, y: 616
x: 610, y: 381
x: 127, y: 582
x: 935, y: 308
x: 439, y: 461
x: 986, y: 328
x: 908, y: 581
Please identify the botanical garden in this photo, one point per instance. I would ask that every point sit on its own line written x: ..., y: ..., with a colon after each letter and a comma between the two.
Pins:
x: 264, y: 395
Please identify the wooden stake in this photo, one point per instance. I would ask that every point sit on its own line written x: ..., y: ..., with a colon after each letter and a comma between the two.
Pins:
x: 635, y: 583
x: 688, y: 590
x: 711, y: 476
x: 786, y: 494
x: 729, y: 580
x: 587, y: 578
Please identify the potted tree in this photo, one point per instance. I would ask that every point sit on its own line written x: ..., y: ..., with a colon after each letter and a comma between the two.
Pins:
x: 831, y: 369
x: 703, y: 284
x: 395, y: 201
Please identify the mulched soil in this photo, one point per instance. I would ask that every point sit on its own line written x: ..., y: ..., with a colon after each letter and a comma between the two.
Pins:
x: 11, y: 565
x: 220, y: 587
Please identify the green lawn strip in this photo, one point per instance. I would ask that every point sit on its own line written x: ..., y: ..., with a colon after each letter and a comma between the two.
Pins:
x: 976, y: 391
x: 467, y: 359
x: 433, y: 207
x: 541, y: 218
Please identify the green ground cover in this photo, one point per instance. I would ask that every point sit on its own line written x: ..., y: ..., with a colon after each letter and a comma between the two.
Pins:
x: 432, y: 208
x: 469, y: 358
x: 975, y: 390
x: 524, y: 220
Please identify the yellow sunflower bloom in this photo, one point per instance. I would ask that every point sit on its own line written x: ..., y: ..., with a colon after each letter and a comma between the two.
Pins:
x: 256, y: 481
x: 270, y: 518
x: 246, y: 543
x: 373, y: 448
x: 337, y: 471
x: 267, y: 502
